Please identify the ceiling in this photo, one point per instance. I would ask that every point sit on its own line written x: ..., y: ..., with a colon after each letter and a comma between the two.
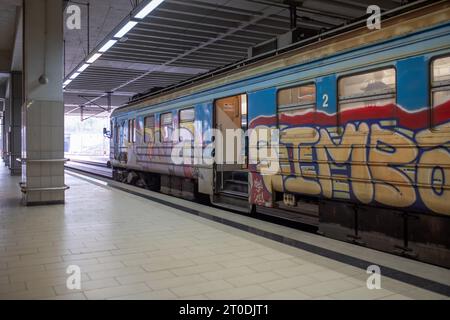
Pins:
x: 178, y: 41
x: 182, y: 39
x: 8, y: 16
x: 8, y: 24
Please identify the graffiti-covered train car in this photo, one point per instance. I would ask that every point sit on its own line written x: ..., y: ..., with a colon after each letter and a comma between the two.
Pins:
x: 350, y: 134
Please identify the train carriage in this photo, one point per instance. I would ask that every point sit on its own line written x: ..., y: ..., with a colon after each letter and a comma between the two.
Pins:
x: 362, y: 136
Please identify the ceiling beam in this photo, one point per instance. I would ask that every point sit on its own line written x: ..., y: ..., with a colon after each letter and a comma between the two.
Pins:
x: 264, y: 15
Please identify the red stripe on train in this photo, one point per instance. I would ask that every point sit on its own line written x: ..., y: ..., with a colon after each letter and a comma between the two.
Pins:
x: 412, y: 120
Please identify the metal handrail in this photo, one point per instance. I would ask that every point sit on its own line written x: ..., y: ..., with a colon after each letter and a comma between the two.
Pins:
x: 23, y: 160
x: 24, y: 189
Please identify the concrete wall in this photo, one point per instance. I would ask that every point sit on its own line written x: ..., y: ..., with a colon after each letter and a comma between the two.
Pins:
x: 15, y: 122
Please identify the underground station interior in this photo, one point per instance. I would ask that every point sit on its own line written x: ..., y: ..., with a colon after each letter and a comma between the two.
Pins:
x: 251, y: 151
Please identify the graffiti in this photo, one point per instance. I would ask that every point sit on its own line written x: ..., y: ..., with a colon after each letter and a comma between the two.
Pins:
x: 370, y: 161
x: 258, y: 185
x: 378, y: 155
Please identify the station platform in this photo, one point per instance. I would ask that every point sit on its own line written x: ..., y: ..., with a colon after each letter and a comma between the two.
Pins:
x: 132, y: 247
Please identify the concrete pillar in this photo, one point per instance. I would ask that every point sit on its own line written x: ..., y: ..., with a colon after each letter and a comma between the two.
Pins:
x: 6, y: 123
x: 2, y: 128
x: 43, y: 108
x: 15, y: 122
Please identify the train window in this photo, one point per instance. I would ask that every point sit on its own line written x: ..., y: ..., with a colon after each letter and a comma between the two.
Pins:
x: 441, y: 70
x: 132, y: 130
x: 371, y: 89
x: 440, y: 97
x: 440, y: 85
x: 149, y: 129
x: 166, y: 127
x: 129, y: 131
x: 367, y: 84
x: 187, y: 126
x: 293, y: 102
x: 297, y: 97
x: 244, y: 111
x: 124, y: 131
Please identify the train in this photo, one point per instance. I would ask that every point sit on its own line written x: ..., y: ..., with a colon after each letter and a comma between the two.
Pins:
x: 358, y: 126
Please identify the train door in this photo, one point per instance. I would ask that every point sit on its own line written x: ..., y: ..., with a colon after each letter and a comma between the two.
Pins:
x: 231, y: 168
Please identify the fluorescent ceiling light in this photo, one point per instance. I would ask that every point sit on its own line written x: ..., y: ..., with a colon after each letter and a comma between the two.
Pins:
x: 68, y: 81
x: 148, y: 8
x: 76, y: 74
x: 107, y: 45
x: 94, y: 58
x: 130, y: 25
x: 84, y: 67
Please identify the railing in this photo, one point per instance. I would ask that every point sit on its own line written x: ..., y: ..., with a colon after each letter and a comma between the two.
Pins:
x: 24, y: 160
x: 23, y: 186
x: 25, y: 189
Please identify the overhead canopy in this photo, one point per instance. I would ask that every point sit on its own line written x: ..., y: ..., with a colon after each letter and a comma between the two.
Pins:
x: 183, y: 39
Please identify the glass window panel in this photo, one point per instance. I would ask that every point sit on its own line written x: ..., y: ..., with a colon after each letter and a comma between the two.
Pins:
x: 167, y: 127
x: 441, y: 69
x: 187, y: 131
x: 129, y: 130
x: 284, y: 97
x: 125, y: 131
x: 166, y: 118
x: 295, y: 112
x: 187, y: 115
x: 133, y: 130
x: 297, y: 96
x: 149, y: 124
x: 441, y: 97
x: 167, y: 133
x: 305, y: 94
x: 373, y: 103
x: 372, y: 83
x: 187, y: 127
x: 244, y: 108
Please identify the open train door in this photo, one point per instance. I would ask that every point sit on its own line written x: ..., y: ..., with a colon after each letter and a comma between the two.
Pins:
x: 231, y: 166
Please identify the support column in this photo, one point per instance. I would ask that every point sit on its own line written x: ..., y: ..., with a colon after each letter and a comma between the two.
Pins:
x: 6, y: 124
x: 2, y: 127
x: 15, y: 122
x: 43, y: 109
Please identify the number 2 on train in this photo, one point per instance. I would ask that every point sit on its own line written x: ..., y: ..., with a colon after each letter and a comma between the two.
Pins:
x: 325, y: 99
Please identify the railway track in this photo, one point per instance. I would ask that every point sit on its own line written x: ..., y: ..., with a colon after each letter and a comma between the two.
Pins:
x: 96, y: 168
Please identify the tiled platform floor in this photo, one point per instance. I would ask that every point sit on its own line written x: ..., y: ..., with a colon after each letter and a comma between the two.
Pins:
x: 131, y: 248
